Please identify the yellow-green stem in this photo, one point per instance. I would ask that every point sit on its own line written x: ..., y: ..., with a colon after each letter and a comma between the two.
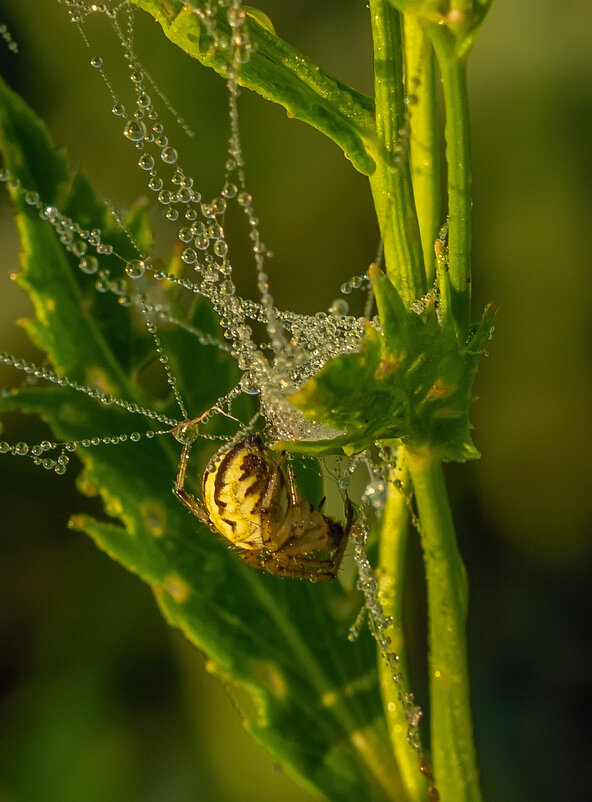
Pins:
x: 391, y: 576
x: 453, y: 751
x: 391, y: 182
x: 453, y: 71
x: 425, y: 145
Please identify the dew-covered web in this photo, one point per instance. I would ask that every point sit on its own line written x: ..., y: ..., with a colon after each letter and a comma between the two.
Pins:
x: 294, y: 347
x: 297, y: 345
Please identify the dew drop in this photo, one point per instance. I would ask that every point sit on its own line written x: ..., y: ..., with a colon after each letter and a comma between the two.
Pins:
x: 339, y: 307
x: 227, y: 287
x: 135, y: 269
x: 187, y: 433
x: 168, y: 155
x: 89, y: 265
x: 134, y: 130
x: 189, y: 256
x: 156, y: 183
x: 185, y: 195
x: 97, y: 62
x: 220, y: 247
x: 185, y: 234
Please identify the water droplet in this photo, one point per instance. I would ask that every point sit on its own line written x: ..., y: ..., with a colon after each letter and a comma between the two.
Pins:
x: 144, y: 100
x: 135, y: 269
x: 156, y: 183
x: 185, y: 195
x: 227, y: 287
x: 97, y: 62
x: 186, y: 433
x: 236, y: 17
x: 89, y: 265
x: 185, y: 234
x: 146, y: 161
x: 134, y: 130
x: 220, y: 248
x: 189, y: 256
x: 229, y: 190
x: 339, y: 307
x: 168, y: 155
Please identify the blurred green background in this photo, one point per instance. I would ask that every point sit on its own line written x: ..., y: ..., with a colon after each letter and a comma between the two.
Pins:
x: 98, y: 699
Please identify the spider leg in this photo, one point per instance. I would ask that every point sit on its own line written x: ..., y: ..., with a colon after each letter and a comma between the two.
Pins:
x: 287, y: 566
x: 350, y: 512
x: 182, y: 495
x: 270, y: 496
x: 292, y: 489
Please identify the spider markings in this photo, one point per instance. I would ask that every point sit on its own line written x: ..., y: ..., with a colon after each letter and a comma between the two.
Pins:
x: 252, y: 501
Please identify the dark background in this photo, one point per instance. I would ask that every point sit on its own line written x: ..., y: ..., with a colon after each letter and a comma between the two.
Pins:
x: 98, y: 698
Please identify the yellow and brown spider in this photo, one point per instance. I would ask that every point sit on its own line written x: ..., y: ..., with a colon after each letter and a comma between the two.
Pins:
x: 252, y: 500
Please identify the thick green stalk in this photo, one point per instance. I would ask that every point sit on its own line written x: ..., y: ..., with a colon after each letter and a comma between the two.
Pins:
x: 391, y: 576
x: 391, y: 182
x: 425, y: 145
x: 453, y: 751
x: 453, y: 71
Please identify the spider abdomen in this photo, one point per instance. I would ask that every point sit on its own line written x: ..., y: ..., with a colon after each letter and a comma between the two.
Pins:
x: 236, y: 484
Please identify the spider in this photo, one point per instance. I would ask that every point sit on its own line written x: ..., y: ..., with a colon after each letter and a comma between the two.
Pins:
x: 252, y: 500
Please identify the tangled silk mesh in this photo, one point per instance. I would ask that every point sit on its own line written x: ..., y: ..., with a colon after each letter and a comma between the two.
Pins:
x: 298, y: 345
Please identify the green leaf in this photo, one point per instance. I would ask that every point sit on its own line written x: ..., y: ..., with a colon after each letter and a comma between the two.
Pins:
x: 279, y: 73
x: 317, y: 703
x: 412, y: 382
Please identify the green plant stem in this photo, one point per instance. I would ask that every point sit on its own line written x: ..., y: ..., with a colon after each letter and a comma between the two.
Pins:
x: 391, y: 182
x: 453, y: 71
x: 425, y: 150
x: 391, y: 576
x: 453, y: 751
